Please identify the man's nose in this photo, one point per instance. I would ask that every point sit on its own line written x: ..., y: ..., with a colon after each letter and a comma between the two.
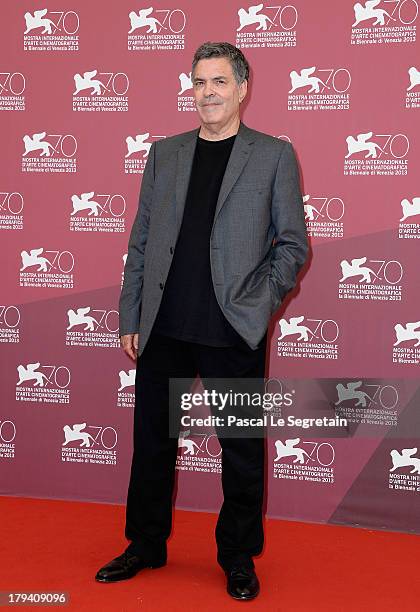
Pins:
x: 208, y: 89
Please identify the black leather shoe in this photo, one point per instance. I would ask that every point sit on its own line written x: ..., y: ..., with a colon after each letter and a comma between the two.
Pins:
x: 125, y: 566
x: 242, y: 582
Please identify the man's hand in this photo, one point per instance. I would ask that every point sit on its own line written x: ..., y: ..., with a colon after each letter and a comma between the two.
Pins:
x: 130, y: 344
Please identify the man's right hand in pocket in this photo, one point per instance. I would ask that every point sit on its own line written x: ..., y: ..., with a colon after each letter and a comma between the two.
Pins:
x: 130, y: 345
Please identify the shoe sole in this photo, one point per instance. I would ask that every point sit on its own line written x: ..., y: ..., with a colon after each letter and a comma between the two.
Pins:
x: 109, y: 580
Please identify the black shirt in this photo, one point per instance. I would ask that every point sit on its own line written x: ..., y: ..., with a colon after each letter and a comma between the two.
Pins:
x: 189, y: 309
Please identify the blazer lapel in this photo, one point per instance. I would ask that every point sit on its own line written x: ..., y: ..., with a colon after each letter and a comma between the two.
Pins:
x: 239, y: 156
x: 183, y: 172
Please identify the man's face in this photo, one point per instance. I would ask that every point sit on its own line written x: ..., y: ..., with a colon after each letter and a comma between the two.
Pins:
x: 217, y: 94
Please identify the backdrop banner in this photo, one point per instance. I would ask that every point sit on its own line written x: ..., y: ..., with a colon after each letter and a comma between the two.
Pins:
x: 84, y: 91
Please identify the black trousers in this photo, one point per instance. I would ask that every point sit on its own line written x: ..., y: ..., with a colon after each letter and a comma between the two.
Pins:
x: 239, y: 530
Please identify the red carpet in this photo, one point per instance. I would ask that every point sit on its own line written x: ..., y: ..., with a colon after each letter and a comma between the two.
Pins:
x: 58, y: 546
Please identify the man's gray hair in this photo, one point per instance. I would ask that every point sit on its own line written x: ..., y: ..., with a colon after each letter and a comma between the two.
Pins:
x: 240, y: 66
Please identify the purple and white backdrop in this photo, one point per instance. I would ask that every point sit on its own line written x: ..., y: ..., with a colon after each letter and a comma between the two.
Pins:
x: 85, y: 88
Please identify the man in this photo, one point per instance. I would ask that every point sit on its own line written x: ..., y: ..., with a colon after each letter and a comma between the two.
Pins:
x: 217, y: 242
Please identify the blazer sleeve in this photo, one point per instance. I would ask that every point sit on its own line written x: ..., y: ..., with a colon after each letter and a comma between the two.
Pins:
x: 130, y: 298
x: 290, y: 243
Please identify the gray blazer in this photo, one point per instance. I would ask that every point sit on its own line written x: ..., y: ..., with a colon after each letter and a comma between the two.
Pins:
x: 258, y: 241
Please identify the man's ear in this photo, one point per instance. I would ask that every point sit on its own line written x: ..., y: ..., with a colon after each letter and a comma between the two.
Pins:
x: 243, y: 88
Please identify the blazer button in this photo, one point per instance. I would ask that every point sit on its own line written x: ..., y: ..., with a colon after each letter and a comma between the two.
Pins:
x: 161, y: 285
x: 171, y: 250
